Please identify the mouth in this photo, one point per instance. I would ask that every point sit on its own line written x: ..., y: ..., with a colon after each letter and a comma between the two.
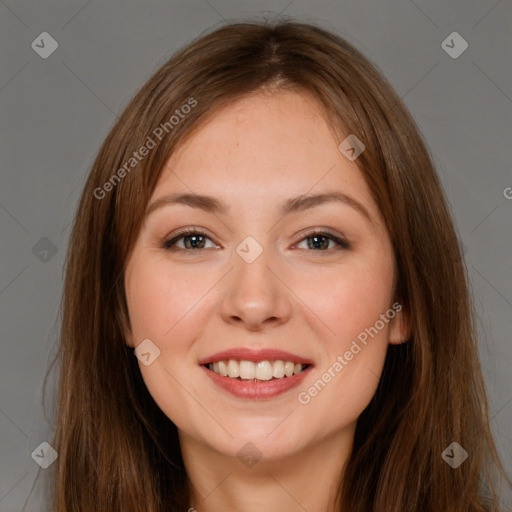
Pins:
x: 256, y: 374
x: 259, y: 374
x: 260, y: 371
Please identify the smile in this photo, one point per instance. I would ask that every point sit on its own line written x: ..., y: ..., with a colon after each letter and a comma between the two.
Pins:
x: 257, y: 372
x: 264, y: 380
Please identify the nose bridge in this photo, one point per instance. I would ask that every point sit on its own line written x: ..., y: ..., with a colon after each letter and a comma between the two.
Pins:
x: 254, y: 295
x: 253, y: 283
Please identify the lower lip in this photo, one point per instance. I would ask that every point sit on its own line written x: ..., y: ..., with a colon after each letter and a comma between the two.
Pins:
x: 263, y: 390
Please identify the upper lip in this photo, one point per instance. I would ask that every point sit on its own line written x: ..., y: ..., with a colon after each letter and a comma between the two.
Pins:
x: 247, y: 354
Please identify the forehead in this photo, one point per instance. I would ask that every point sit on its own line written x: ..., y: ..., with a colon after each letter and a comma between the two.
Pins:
x: 267, y: 146
x: 260, y: 130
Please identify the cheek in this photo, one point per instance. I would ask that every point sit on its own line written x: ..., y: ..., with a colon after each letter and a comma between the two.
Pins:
x: 159, y: 297
x: 148, y: 300
x: 340, y: 394
x: 348, y: 299
x: 352, y: 361
x: 161, y: 308
x: 351, y: 305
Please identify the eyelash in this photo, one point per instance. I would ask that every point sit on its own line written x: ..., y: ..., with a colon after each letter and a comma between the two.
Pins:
x: 168, y: 244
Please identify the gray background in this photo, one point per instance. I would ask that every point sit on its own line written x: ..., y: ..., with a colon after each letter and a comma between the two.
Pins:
x: 55, y: 113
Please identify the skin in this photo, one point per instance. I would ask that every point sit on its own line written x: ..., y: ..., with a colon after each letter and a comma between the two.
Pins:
x: 253, y: 155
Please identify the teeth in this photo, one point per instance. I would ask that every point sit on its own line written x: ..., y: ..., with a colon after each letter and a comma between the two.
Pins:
x: 278, y: 369
x: 263, y: 370
x: 223, y: 368
x: 247, y: 370
x: 233, y: 369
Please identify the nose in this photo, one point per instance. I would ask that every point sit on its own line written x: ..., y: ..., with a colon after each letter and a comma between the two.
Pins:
x: 254, y: 297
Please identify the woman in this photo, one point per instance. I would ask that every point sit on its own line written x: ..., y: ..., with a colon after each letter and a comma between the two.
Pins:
x: 265, y: 305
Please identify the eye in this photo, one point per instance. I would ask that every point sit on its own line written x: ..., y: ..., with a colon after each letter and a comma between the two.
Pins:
x: 196, y: 240
x: 193, y: 239
x: 320, y: 241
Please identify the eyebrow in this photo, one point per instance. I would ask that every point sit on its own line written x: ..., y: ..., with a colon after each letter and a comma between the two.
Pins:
x: 297, y: 204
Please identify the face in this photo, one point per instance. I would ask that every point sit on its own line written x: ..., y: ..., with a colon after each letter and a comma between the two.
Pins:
x: 250, y: 275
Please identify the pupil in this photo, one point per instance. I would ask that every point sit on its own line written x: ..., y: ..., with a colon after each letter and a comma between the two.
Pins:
x: 193, y: 239
x: 325, y: 245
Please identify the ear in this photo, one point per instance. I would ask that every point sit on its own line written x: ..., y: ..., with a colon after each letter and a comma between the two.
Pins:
x: 400, y: 325
x: 123, y: 315
x: 127, y: 335
x: 125, y: 327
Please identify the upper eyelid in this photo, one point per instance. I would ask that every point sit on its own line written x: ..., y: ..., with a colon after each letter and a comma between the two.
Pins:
x: 338, y: 239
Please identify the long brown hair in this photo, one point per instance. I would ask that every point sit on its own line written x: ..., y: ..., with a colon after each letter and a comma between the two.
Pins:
x: 117, y: 450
